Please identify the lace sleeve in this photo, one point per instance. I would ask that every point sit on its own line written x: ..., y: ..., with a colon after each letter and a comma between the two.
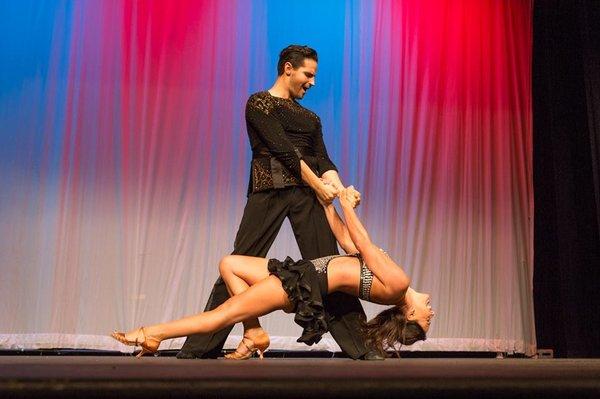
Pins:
x: 261, y: 118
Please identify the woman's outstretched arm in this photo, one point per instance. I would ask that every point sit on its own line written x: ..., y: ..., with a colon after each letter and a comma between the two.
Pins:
x: 333, y: 218
x: 391, y: 275
x: 339, y: 229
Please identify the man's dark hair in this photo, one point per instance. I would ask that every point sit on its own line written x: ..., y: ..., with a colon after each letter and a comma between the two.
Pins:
x: 295, y: 55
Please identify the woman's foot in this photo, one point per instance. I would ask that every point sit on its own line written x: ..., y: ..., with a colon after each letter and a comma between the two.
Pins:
x: 256, y: 340
x: 138, y: 337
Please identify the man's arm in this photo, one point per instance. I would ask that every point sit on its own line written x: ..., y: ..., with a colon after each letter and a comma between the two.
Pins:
x: 328, y: 170
x: 326, y: 167
x: 332, y: 177
x: 326, y: 193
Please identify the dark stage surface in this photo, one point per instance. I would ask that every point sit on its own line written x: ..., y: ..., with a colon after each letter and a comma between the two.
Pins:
x: 112, y: 376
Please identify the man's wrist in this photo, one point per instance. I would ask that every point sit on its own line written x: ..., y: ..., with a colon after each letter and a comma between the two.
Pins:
x: 333, y: 177
x: 317, y: 185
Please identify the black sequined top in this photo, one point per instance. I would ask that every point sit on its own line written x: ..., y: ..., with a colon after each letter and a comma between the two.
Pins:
x: 287, y: 131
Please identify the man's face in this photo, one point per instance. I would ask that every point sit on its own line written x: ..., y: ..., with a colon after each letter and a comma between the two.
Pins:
x: 302, y: 78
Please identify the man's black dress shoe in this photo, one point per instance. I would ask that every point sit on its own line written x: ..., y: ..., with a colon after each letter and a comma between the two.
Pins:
x: 372, y: 355
x: 185, y: 355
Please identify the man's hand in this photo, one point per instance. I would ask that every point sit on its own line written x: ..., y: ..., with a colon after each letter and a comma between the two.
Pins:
x: 326, y: 193
x: 331, y: 176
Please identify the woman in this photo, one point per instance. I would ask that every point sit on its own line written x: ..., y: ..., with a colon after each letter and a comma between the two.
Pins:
x: 260, y: 286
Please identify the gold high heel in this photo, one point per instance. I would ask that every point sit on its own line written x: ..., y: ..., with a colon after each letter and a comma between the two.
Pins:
x: 253, y: 345
x: 148, y: 345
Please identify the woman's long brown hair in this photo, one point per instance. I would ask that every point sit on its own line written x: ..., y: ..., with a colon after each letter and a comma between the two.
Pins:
x: 390, y: 327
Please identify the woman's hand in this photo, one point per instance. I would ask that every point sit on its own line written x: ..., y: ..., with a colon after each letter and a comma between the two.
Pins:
x: 349, y: 197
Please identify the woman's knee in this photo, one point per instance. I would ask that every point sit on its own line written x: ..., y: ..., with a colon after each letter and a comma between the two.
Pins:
x: 226, y: 265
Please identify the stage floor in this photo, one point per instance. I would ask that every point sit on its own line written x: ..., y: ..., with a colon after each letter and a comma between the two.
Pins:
x: 153, y: 377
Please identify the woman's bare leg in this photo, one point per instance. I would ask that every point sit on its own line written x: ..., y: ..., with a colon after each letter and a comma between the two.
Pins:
x: 239, y: 272
x: 259, y: 299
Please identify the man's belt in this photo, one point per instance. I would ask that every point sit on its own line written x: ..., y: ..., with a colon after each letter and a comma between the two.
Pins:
x: 268, y: 173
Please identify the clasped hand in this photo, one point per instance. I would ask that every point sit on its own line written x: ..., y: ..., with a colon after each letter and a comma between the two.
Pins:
x: 347, y: 196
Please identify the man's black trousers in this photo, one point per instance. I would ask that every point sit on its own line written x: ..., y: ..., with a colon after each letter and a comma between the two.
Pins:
x: 263, y: 216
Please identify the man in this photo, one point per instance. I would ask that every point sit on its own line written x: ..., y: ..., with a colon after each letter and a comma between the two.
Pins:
x: 288, y: 159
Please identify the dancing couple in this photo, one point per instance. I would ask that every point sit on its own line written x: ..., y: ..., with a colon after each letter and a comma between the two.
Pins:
x: 292, y: 176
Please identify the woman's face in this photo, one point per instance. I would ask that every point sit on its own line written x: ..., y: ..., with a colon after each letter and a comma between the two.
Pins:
x: 420, y: 310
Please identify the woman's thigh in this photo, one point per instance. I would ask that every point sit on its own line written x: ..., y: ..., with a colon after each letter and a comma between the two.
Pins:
x: 260, y: 299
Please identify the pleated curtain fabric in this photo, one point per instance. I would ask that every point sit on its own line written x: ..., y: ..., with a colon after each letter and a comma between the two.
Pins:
x: 124, y: 158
